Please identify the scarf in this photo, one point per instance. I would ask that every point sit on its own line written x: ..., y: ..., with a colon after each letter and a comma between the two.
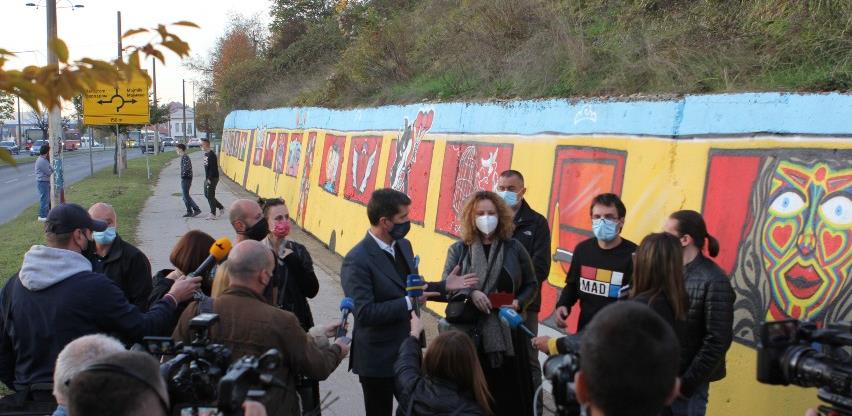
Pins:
x: 496, y: 335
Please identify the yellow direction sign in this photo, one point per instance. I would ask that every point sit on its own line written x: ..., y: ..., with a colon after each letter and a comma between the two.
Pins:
x: 124, y: 103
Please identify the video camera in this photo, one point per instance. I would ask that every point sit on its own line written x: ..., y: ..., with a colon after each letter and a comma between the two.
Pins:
x: 248, y: 378
x: 800, y: 353
x: 192, y: 376
x: 560, y: 370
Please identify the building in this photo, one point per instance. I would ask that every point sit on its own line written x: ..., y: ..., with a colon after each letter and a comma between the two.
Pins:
x: 177, y: 121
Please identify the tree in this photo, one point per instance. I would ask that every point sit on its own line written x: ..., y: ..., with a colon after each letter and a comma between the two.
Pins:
x: 47, y: 86
x: 7, y: 108
x: 40, y: 120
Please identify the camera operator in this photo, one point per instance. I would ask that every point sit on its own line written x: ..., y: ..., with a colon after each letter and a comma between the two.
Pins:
x: 77, y: 355
x: 56, y: 298
x: 628, y: 362
x: 126, y: 383
x: 249, y: 325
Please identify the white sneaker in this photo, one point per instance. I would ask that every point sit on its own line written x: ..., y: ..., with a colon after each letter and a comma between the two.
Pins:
x: 42, y: 219
x: 211, y: 217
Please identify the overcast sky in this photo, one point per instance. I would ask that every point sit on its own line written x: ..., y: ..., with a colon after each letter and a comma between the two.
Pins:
x: 91, y: 31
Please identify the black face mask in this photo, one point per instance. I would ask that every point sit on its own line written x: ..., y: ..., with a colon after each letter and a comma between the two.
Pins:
x: 258, y: 231
x: 400, y: 230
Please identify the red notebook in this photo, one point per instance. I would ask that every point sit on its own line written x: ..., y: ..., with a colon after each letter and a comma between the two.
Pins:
x: 499, y: 299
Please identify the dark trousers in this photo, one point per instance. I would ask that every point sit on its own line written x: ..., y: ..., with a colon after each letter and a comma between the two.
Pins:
x: 378, y: 395
x: 191, y: 206
x: 210, y: 194
x: 309, y: 394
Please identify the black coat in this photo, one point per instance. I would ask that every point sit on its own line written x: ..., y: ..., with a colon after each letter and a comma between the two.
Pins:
x: 533, y: 232
x: 426, y: 396
x: 382, y: 315
x: 297, y: 282
x: 128, y: 267
x: 709, y: 324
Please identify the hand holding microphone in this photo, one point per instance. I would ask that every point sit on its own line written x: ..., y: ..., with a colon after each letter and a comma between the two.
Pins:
x: 414, y: 290
x: 346, y: 307
x: 514, y: 320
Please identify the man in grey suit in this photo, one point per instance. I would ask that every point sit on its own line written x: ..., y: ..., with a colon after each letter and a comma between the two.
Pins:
x: 374, y: 275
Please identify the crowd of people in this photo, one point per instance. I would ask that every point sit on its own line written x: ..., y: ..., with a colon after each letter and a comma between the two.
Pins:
x: 83, y: 298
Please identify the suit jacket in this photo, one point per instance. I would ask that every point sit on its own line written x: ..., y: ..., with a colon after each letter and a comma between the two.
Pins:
x: 381, y: 311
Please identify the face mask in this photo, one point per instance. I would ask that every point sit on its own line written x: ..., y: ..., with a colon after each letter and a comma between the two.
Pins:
x: 486, y: 223
x: 510, y: 197
x: 104, y: 237
x: 258, y: 231
x: 400, y: 230
x: 604, y: 229
x: 281, y: 229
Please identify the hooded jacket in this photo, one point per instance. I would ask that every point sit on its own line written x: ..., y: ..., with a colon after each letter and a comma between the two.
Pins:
x: 54, y: 299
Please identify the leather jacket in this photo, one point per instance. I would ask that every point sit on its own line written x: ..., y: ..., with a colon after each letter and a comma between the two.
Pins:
x: 709, y: 324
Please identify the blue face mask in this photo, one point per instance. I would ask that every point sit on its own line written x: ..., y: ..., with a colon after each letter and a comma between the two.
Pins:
x: 510, y: 197
x: 604, y: 229
x: 104, y: 237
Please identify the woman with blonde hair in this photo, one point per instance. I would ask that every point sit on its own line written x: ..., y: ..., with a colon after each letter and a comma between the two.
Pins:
x: 506, y: 279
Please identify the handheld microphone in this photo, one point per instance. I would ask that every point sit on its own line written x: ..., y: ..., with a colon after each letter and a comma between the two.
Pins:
x: 414, y: 289
x: 346, y: 307
x: 514, y: 320
x: 218, y: 252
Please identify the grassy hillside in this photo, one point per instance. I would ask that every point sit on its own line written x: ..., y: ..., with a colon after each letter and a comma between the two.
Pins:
x: 402, y: 51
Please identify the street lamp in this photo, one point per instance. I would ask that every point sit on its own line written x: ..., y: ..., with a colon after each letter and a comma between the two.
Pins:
x: 70, y: 5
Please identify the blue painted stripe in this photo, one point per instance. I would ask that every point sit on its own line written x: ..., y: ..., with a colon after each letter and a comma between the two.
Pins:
x: 693, y: 115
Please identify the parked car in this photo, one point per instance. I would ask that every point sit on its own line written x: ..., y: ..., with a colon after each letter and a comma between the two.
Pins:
x: 194, y: 142
x: 168, y: 142
x: 11, y: 146
x: 36, y: 147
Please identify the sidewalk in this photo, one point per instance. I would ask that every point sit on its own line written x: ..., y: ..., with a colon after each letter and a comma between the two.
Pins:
x: 161, y: 224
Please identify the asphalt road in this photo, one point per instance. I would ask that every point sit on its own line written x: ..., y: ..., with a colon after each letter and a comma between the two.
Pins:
x: 17, y: 184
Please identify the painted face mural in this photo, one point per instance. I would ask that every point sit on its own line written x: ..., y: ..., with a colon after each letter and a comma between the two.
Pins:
x: 806, y: 238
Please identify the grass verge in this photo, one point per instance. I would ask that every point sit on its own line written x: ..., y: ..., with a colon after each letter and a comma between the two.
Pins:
x: 127, y: 195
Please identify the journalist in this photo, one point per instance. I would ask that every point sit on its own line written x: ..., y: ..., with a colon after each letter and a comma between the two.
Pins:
x: 74, y: 357
x: 56, y: 298
x: 628, y: 362
x: 119, y: 260
x: 447, y: 380
x: 120, y: 384
x: 249, y: 325
x: 506, y: 275
x: 709, y: 322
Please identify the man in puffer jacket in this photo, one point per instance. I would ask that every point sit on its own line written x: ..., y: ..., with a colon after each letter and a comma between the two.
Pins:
x: 56, y: 298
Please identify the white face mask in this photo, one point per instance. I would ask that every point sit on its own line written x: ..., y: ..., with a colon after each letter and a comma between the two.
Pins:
x: 486, y: 223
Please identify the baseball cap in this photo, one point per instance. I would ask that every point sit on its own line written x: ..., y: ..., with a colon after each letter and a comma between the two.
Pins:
x: 66, y: 218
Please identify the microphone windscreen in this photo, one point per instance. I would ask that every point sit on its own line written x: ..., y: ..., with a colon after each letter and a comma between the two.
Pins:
x: 415, y: 285
x: 220, y: 249
x: 512, y: 318
x: 346, y: 304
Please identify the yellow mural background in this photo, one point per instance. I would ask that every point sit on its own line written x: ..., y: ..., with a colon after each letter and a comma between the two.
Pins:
x: 661, y: 176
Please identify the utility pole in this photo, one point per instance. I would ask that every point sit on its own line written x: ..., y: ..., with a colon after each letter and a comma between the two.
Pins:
x: 156, y: 107
x: 20, y: 139
x: 183, y: 105
x: 54, y: 119
x: 194, y: 121
x: 120, y: 159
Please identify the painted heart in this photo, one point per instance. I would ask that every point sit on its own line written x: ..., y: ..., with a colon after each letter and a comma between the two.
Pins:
x: 831, y: 244
x: 781, y: 234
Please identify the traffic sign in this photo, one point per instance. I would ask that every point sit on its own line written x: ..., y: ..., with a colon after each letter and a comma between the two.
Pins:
x: 124, y: 103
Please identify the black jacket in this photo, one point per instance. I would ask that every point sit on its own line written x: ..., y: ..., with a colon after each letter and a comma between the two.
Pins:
x: 211, y: 165
x: 128, y: 267
x: 37, y: 324
x: 533, y: 232
x: 296, y: 282
x: 709, y: 326
x: 420, y: 396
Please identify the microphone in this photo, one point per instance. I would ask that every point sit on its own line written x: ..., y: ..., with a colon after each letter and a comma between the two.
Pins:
x: 514, y: 320
x: 414, y: 289
x: 346, y: 307
x: 218, y: 252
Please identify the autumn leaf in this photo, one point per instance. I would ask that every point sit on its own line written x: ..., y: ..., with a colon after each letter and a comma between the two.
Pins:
x: 7, y: 157
x: 186, y: 23
x: 132, y: 32
x: 61, y: 50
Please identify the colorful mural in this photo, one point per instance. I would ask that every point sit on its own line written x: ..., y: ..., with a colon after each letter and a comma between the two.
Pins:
x: 780, y: 204
x: 409, y: 163
x: 294, y: 152
x: 468, y: 167
x: 362, y: 168
x: 332, y: 163
x: 280, y: 147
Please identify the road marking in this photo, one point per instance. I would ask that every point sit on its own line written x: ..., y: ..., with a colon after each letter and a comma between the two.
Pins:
x: 11, y: 180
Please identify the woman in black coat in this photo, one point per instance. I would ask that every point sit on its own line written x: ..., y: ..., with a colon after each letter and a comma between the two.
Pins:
x: 451, y: 381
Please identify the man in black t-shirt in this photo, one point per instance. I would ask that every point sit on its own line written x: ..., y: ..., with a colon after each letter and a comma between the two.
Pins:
x: 600, y: 267
x: 211, y: 179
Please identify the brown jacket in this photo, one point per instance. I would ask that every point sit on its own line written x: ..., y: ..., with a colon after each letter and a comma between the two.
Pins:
x: 250, y: 326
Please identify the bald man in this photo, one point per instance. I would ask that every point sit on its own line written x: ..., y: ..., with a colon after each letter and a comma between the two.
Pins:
x: 248, y: 221
x: 119, y: 260
x: 249, y: 325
